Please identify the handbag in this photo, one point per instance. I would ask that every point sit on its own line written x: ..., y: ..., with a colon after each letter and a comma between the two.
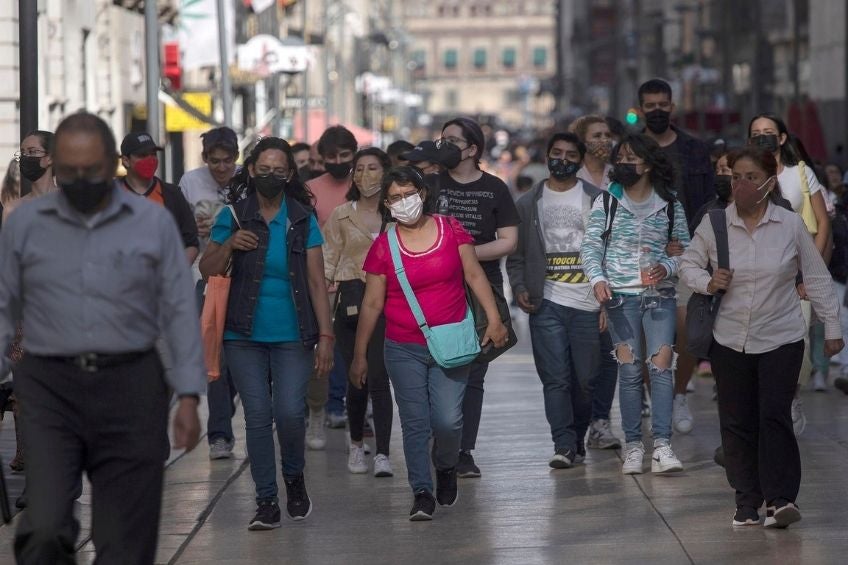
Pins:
x: 349, y: 299
x: 450, y: 345
x: 481, y: 322
x: 806, y: 211
x: 214, y: 316
x: 702, y: 309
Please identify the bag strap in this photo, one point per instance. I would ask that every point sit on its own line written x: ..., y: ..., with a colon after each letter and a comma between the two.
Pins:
x: 669, y: 212
x: 610, y: 207
x: 394, y: 246
x: 235, y: 216
x: 805, y: 182
x: 719, y: 223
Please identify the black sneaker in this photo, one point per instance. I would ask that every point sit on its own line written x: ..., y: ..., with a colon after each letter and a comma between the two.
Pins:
x: 563, y: 459
x: 781, y: 517
x: 446, y: 492
x: 465, y: 467
x: 423, y: 507
x: 298, y: 505
x: 267, y: 516
x: 580, y: 452
x: 746, y: 516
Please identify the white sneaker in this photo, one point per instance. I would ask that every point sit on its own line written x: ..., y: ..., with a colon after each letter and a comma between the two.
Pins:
x: 663, y: 460
x: 316, y: 437
x: 221, y: 449
x: 681, y: 416
x: 382, y: 466
x: 799, y: 419
x: 690, y: 386
x: 819, y: 382
x: 356, y: 460
x: 336, y: 421
x: 633, y: 454
x: 601, y: 436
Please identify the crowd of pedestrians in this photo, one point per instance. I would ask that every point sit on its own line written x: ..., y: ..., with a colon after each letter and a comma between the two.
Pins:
x: 343, y: 264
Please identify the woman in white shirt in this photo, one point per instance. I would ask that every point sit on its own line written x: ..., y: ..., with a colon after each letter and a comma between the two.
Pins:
x: 759, y: 333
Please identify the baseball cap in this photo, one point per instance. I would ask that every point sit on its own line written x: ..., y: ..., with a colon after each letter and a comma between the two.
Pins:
x: 138, y: 141
x: 222, y: 137
x: 424, y: 151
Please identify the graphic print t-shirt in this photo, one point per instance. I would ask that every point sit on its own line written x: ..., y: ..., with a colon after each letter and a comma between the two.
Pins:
x: 481, y: 206
x: 561, y: 215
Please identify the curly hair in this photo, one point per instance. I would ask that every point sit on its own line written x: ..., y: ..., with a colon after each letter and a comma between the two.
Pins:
x: 580, y: 126
x: 661, y: 174
x: 241, y: 186
x: 385, y: 161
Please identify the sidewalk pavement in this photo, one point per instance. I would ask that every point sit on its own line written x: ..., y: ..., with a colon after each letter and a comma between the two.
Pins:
x: 520, y: 511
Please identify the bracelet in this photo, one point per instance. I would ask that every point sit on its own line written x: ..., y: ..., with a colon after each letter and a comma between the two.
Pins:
x: 328, y: 336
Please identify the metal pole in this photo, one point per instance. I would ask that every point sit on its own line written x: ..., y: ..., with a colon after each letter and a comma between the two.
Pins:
x: 305, y: 109
x: 28, y: 60
x: 328, y: 97
x: 151, y: 54
x: 226, y: 89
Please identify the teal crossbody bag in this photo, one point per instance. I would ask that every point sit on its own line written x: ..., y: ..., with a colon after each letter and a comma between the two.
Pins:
x: 451, y: 345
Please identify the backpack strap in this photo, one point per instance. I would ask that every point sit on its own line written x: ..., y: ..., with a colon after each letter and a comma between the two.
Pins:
x: 610, y: 206
x: 669, y: 212
x: 719, y: 223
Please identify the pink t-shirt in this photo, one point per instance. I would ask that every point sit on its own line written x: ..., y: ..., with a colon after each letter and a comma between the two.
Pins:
x: 329, y: 194
x: 435, y: 275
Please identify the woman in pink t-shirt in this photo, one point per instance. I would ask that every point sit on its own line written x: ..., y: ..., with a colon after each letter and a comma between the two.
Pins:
x: 438, y: 257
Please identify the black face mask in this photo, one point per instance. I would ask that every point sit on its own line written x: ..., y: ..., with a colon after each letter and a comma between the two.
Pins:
x: 305, y: 173
x: 624, y: 174
x: 768, y: 142
x: 658, y: 120
x: 31, y: 168
x: 339, y: 170
x: 562, y: 169
x: 449, y: 155
x: 85, y: 195
x: 722, y: 187
x: 269, y: 185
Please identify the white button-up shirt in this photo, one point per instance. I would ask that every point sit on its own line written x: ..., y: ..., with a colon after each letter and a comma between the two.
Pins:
x: 761, y: 310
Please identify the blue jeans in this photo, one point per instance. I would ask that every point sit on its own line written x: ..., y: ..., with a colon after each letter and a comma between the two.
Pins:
x: 429, y: 400
x: 220, y: 395
x: 629, y: 322
x: 272, y: 379
x: 603, y: 392
x: 566, y: 349
x: 338, y: 384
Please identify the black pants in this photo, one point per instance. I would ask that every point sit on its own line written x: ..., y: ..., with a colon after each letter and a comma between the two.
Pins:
x: 377, y: 383
x: 110, y: 424
x: 472, y: 405
x: 755, y: 394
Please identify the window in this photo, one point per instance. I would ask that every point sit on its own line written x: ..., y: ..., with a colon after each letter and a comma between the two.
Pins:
x: 509, y: 57
x: 419, y: 57
x: 480, y: 59
x: 450, y: 59
x: 540, y: 57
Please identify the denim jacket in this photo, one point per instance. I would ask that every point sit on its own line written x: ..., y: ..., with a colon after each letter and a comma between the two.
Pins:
x: 621, y: 266
x: 249, y: 266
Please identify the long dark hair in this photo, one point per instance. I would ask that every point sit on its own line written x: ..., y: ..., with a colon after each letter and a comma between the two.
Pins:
x: 241, y: 186
x: 762, y: 158
x: 661, y: 174
x: 789, y: 154
x: 405, y: 175
x: 473, y: 134
x: 45, y: 137
x: 385, y: 161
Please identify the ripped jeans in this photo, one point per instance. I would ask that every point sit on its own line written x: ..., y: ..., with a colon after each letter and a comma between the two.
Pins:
x: 629, y: 322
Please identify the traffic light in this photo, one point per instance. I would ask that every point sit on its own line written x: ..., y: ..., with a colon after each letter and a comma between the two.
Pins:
x: 632, y: 117
x: 171, y: 69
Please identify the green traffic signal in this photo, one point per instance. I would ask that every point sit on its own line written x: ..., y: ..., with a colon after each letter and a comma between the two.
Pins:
x: 632, y: 117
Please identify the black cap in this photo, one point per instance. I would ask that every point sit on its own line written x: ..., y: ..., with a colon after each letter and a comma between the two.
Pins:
x: 222, y: 137
x: 138, y: 141
x: 424, y: 151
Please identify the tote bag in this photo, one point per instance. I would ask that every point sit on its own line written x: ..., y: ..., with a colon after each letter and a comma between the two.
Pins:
x: 214, y: 316
x: 702, y: 309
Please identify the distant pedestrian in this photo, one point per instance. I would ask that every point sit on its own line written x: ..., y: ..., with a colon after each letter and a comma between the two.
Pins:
x: 93, y: 388
x: 425, y: 157
x: 439, y: 259
x: 278, y: 328
x: 35, y: 164
x: 595, y: 133
x: 397, y: 152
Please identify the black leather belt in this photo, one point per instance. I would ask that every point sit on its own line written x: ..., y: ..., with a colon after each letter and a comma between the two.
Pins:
x: 93, y: 362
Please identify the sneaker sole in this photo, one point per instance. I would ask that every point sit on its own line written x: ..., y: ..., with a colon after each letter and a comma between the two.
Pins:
x: 301, y: 518
x: 468, y: 475
x: 560, y: 464
x: 316, y: 446
x: 660, y: 469
x: 218, y: 456
x: 632, y: 471
x: 262, y: 526
x: 682, y: 428
x: 784, y: 518
x: 748, y: 522
x: 383, y: 474
x: 357, y: 470
x: 420, y: 516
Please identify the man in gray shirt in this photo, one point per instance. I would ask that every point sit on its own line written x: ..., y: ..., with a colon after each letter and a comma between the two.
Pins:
x: 96, y: 275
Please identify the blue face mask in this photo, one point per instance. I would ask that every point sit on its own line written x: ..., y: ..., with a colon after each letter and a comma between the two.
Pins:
x: 562, y: 169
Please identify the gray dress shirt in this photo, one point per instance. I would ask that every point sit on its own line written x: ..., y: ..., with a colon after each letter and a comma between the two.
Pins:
x: 111, y: 283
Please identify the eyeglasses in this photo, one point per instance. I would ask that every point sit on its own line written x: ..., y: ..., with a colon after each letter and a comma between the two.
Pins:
x: 394, y: 199
x: 30, y: 153
x: 282, y: 174
x: 441, y: 142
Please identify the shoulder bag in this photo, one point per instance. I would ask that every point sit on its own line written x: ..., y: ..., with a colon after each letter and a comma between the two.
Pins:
x: 451, y: 345
x: 806, y: 211
x: 702, y: 309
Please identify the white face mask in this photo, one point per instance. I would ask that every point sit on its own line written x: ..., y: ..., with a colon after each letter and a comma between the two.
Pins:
x: 409, y: 210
